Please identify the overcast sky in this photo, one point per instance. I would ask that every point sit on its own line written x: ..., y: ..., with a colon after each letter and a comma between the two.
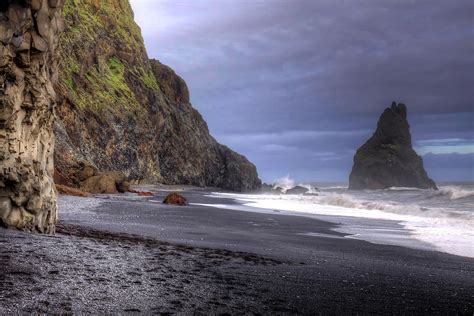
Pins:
x: 297, y: 86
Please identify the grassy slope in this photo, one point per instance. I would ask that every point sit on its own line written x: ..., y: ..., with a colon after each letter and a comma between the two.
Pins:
x: 94, y: 75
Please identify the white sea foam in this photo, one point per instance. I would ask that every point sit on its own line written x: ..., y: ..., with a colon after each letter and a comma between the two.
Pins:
x: 285, y: 183
x: 335, y: 187
x: 456, y: 193
x: 449, y: 229
x: 403, y: 189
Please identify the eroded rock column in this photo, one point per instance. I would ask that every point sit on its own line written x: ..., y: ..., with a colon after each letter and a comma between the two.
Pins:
x: 28, y: 68
x: 388, y: 159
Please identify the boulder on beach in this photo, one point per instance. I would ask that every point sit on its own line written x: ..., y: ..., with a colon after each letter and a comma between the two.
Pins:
x: 118, y: 176
x: 101, y: 184
x: 297, y: 190
x: 109, y: 182
x: 123, y: 187
x: 87, y: 172
x: 387, y: 159
x: 63, y: 189
x: 175, y: 198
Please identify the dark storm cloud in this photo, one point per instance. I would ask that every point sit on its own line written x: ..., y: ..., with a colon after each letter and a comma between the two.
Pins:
x: 299, y: 85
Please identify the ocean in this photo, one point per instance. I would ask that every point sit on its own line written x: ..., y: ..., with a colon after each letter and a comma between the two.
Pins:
x: 440, y: 220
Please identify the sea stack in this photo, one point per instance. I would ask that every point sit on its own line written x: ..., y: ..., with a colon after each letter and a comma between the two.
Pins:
x: 387, y: 159
x: 28, y: 69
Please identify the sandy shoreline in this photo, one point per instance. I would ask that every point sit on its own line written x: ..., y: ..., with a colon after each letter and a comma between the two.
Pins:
x: 115, y: 255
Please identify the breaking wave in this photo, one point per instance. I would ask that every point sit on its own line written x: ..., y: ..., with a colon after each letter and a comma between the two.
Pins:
x: 443, y: 218
x: 456, y: 193
x: 403, y: 189
x: 285, y: 183
x: 347, y: 201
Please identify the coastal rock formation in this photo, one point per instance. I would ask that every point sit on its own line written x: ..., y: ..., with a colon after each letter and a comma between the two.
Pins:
x: 28, y: 69
x: 387, y: 159
x: 175, y: 198
x: 123, y: 187
x: 119, y: 110
x: 110, y: 182
x: 101, y: 184
x: 297, y: 190
x: 269, y: 189
x: 63, y: 189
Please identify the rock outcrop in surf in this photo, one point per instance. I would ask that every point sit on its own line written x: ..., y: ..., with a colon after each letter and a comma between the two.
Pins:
x: 28, y: 69
x: 387, y: 159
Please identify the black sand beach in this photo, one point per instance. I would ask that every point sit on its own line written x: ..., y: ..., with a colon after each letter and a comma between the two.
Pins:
x: 127, y: 254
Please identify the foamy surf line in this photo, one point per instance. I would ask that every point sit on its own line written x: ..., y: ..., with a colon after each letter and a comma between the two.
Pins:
x: 444, y: 233
x: 374, y: 230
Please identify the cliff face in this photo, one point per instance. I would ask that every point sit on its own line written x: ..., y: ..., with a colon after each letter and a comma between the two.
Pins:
x: 28, y: 69
x: 387, y: 159
x: 118, y: 110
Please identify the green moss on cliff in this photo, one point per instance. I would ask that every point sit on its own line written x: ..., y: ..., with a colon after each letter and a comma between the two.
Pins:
x: 148, y: 79
x: 70, y: 66
x: 105, y: 87
x: 93, y: 15
x: 103, y: 55
x: 122, y: 111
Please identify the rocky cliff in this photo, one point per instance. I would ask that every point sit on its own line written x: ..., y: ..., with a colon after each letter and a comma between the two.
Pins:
x: 387, y: 159
x: 28, y: 69
x: 119, y: 110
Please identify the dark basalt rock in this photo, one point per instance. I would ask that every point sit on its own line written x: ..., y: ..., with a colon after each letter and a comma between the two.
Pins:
x: 297, y: 190
x: 101, y: 184
x: 279, y: 189
x: 63, y: 189
x: 119, y: 110
x: 176, y: 199
x: 266, y: 187
x: 387, y: 159
x: 123, y: 187
x: 29, y: 35
x: 269, y: 189
x: 171, y: 84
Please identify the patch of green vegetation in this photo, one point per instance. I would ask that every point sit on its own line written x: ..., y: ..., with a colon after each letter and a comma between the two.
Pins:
x: 68, y: 82
x: 107, y: 87
x: 87, y: 17
x: 70, y: 66
x: 147, y: 78
x: 96, y: 31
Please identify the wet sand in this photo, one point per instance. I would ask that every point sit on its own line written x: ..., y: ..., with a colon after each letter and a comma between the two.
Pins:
x: 128, y: 254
